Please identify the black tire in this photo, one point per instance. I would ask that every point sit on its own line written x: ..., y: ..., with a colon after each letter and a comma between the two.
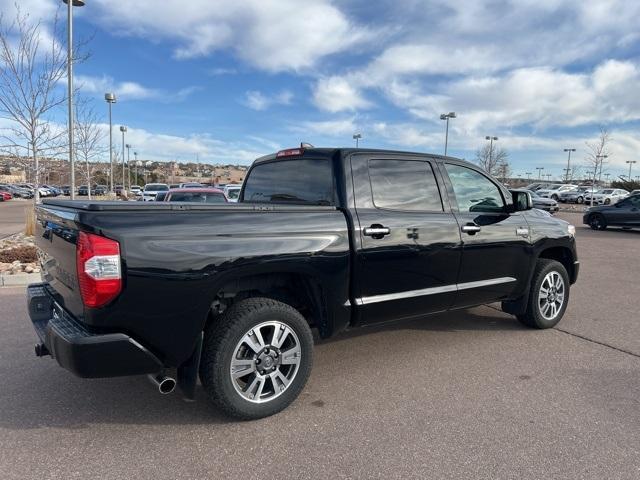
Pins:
x: 220, y: 340
x: 533, y: 316
x: 597, y: 222
x: 554, y: 197
x: 580, y: 200
x: 607, y: 201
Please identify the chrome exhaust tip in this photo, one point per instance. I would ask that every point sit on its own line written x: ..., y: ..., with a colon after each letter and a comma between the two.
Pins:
x: 165, y: 384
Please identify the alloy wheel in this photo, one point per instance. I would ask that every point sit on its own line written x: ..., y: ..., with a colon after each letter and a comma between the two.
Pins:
x: 551, y: 295
x: 265, y: 362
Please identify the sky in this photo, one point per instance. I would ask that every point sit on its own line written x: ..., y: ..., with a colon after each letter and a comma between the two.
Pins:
x: 226, y: 81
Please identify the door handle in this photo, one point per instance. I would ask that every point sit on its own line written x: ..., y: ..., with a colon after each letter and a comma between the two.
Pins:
x: 470, y: 228
x: 376, y: 231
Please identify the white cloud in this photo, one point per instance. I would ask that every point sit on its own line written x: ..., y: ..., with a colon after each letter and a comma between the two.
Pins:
x: 336, y: 94
x: 129, y: 90
x: 274, y: 35
x: 332, y: 128
x: 259, y: 101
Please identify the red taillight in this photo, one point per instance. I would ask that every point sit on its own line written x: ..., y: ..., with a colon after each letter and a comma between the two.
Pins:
x: 290, y: 152
x: 98, y: 264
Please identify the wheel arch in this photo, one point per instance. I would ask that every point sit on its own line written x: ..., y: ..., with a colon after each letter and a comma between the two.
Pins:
x: 302, y: 290
x: 565, y: 256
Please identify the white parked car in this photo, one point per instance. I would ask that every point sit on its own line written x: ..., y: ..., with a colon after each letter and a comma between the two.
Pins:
x: 576, y: 195
x: 606, y: 196
x: 152, y: 189
x: 136, y: 190
x: 554, y: 191
x: 232, y: 192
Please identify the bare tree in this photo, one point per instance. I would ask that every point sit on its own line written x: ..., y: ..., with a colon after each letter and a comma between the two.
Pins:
x: 597, y: 154
x: 89, y: 137
x: 32, y: 64
x: 494, y: 161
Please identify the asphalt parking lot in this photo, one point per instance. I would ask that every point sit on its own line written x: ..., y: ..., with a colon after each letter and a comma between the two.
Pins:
x: 12, y: 217
x: 468, y: 394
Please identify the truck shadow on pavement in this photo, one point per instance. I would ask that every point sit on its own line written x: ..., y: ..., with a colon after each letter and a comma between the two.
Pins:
x: 42, y: 395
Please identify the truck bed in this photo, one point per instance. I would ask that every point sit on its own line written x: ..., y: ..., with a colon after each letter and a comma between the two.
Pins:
x: 174, y: 256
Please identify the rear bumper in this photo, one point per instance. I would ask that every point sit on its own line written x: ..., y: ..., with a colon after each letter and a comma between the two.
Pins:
x: 82, y: 352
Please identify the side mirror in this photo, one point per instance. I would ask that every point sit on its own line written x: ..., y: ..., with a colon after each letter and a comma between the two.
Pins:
x: 521, y: 200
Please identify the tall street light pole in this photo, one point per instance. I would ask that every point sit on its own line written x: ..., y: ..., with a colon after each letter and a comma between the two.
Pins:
x: 539, y: 171
x: 569, y: 161
x: 123, y: 129
x: 357, y: 137
x: 528, y: 174
x: 447, y: 116
x: 70, y: 5
x: 491, y: 139
x: 111, y: 99
x: 128, y: 145
x: 135, y: 161
x: 630, y: 162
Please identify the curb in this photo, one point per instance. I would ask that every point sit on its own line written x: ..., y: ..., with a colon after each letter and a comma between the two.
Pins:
x: 19, y: 280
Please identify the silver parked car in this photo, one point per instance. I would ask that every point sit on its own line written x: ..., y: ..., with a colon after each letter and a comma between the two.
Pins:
x: 606, y: 196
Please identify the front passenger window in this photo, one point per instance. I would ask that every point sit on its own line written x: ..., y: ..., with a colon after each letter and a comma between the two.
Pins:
x: 474, y: 192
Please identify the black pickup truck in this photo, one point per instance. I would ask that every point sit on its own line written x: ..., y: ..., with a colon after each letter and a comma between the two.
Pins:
x: 326, y: 239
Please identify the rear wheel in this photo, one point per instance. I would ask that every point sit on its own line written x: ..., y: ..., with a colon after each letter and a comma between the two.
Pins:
x: 580, y: 200
x: 607, y: 201
x: 597, y: 221
x: 256, y: 358
x: 548, y: 296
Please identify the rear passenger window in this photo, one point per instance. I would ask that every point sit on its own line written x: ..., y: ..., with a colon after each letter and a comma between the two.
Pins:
x: 404, y: 185
x: 474, y: 192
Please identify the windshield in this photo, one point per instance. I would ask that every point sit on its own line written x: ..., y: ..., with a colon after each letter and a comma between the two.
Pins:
x: 200, y: 197
x: 155, y: 187
x: 300, y: 181
x: 233, y: 193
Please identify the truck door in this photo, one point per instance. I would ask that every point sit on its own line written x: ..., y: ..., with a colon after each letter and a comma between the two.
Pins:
x: 496, y: 251
x: 407, y: 240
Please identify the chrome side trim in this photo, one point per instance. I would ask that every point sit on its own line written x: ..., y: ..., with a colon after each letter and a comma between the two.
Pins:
x: 432, y: 291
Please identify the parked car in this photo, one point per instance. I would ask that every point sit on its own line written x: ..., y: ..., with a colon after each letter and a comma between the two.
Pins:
x: 606, y: 196
x: 554, y: 191
x: 574, y: 196
x: 44, y: 192
x: 83, y: 190
x: 100, y: 190
x: 16, y: 192
x: 635, y: 192
x: 118, y: 189
x: 150, y: 191
x: 200, y: 195
x: 6, y: 195
x: 625, y: 213
x: 66, y: 190
x: 232, y: 192
x: 545, y: 204
x: 326, y: 238
x: 54, y: 191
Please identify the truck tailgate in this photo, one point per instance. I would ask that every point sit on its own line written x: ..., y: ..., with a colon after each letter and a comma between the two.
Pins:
x: 56, y: 236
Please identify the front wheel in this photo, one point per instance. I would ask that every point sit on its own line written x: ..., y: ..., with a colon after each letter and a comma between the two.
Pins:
x: 549, y: 295
x: 256, y: 358
x: 580, y: 200
x: 597, y: 222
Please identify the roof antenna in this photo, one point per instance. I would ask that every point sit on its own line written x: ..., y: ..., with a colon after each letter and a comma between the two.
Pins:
x: 305, y: 145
